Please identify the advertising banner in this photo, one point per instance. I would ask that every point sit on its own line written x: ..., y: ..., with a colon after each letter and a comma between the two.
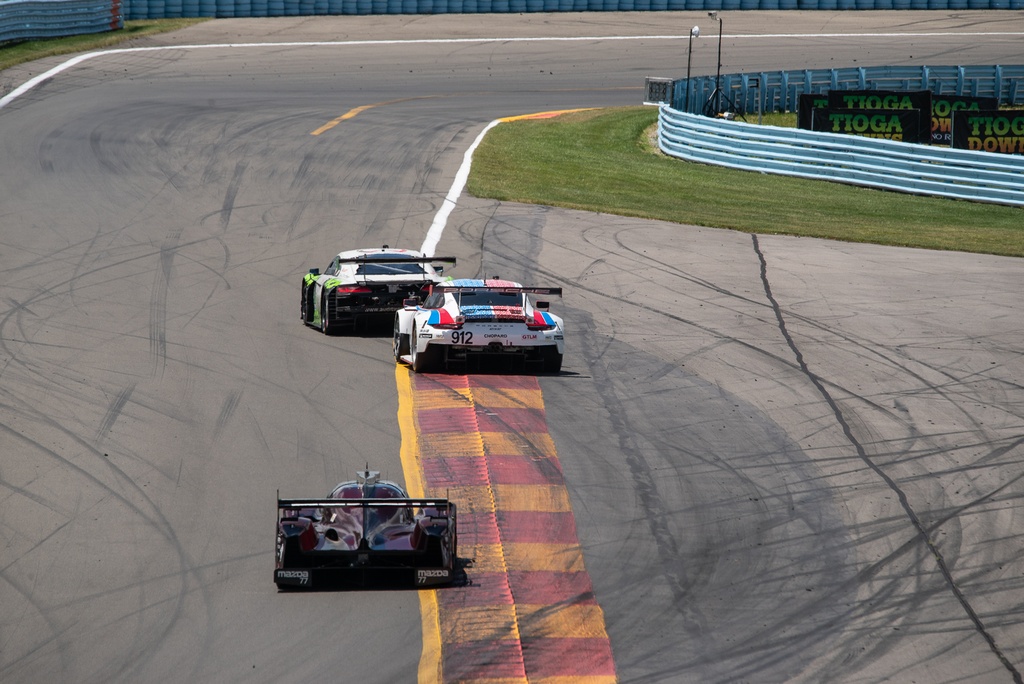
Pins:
x: 899, y: 100
x: 989, y: 131
x: 943, y: 107
x: 805, y: 105
x: 903, y: 125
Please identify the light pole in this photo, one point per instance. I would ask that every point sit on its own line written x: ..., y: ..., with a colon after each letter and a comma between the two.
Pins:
x: 716, y: 96
x: 694, y: 33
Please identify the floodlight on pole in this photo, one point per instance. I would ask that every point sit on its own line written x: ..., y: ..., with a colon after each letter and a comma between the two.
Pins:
x: 694, y: 33
x: 714, y: 102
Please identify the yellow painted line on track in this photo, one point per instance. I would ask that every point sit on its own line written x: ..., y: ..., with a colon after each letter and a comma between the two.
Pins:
x: 544, y: 115
x: 355, y: 111
x: 430, y: 658
x: 407, y: 426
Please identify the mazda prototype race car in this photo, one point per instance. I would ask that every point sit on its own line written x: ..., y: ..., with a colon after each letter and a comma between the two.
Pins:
x: 364, y: 283
x: 462, y: 322
x: 365, y: 532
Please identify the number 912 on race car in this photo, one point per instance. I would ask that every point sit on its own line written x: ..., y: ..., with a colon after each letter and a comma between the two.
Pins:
x: 466, y: 322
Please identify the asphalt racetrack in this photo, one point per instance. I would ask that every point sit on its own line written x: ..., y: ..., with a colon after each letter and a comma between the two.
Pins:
x: 788, y: 459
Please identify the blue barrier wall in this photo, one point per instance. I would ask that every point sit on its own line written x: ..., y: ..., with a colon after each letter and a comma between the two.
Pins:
x: 156, y: 9
x: 903, y: 167
x: 14, y: 25
x: 26, y: 19
x: 779, y: 91
x: 870, y: 162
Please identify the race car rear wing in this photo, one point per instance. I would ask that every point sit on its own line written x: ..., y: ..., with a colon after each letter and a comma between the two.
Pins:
x: 556, y: 291
x: 295, y: 504
x: 421, y: 551
x: 378, y: 259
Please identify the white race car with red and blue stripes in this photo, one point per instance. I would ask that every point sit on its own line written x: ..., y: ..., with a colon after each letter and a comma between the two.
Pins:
x: 464, y: 322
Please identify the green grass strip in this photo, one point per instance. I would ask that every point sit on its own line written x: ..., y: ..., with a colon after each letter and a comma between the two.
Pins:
x: 604, y: 161
x: 14, y: 53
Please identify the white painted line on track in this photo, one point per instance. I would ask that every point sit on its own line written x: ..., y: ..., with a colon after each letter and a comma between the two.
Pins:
x: 74, y: 61
x: 458, y: 185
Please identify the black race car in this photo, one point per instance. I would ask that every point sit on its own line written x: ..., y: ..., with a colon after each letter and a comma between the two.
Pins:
x: 363, y: 284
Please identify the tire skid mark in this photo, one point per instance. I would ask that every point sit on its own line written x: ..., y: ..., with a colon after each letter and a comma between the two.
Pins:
x: 896, y: 361
x: 158, y: 303
x: 114, y: 411
x: 227, y: 410
x: 229, y: 197
x: 147, y: 510
x: 650, y: 501
x: 921, y: 530
x: 528, y: 611
x: 30, y: 598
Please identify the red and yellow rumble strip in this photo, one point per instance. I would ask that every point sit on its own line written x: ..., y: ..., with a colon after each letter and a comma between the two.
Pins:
x: 527, y: 613
x: 544, y: 115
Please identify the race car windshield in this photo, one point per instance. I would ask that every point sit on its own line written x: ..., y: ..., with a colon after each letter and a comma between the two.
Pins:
x: 396, y: 268
x: 490, y: 298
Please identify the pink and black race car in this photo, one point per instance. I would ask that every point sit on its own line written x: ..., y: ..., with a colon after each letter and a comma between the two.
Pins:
x: 366, y: 532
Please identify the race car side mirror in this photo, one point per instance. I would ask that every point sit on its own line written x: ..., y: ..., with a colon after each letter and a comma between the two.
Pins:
x: 314, y: 271
x: 411, y: 301
x: 541, y: 306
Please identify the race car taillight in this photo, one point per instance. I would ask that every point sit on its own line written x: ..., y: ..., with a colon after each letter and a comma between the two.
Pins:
x: 538, y: 322
x: 353, y: 289
x: 453, y: 325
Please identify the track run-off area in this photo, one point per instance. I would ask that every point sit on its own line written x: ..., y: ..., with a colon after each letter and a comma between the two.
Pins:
x: 765, y: 459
